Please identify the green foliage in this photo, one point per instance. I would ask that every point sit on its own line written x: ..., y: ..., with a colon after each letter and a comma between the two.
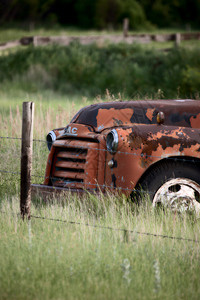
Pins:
x: 111, y: 13
x: 133, y: 10
x: 107, y: 13
x: 191, y: 80
x: 172, y: 13
x: 102, y: 13
x: 85, y: 13
x: 128, y: 69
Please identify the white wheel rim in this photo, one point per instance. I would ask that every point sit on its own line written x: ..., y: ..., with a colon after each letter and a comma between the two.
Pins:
x: 179, y: 194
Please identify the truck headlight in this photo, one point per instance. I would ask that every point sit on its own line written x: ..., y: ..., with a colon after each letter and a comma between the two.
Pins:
x: 112, y: 141
x: 51, y: 137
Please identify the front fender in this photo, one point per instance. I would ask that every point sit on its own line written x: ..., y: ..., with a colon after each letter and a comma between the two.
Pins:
x: 140, y: 146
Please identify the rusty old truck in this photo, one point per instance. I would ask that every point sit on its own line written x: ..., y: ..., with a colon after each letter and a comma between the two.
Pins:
x: 129, y: 146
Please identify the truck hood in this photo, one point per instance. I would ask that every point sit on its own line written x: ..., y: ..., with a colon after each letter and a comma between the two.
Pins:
x: 185, y: 113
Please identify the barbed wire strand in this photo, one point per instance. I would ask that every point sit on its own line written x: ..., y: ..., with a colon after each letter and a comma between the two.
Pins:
x: 144, y: 155
x: 9, y: 172
x: 19, y: 138
x: 66, y: 186
x: 115, y: 229
x: 19, y: 173
x: 83, y: 183
x: 164, y: 236
x: 10, y: 138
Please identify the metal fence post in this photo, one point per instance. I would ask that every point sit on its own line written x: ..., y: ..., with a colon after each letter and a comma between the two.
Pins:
x: 26, y: 158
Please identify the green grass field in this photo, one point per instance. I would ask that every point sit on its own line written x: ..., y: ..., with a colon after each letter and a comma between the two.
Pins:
x: 45, y: 259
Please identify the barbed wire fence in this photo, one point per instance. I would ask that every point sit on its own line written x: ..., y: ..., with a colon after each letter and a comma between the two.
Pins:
x: 125, y: 231
x: 182, y: 159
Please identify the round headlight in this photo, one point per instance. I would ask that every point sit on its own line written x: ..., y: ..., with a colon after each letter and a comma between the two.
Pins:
x: 51, y: 137
x: 112, y: 141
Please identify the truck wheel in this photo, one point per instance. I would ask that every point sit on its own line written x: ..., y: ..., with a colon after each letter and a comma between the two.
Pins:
x: 175, y: 185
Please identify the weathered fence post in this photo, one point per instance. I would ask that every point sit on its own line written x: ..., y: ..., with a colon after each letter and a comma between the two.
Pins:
x: 125, y: 27
x: 26, y: 158
x: 177, y: 39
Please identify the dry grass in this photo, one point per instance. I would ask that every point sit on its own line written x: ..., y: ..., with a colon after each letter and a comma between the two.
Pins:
x: 48, y: 115
x: 53, y: 260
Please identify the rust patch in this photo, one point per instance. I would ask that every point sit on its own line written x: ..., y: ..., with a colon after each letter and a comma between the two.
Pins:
x: 195, y: 121
x: 134, y: 141
x: 145, y: 161
x: 184, y: 113
x: 117, y: 122
x: 149, y: 113
x: 152, y: 141
x: 114, y: 117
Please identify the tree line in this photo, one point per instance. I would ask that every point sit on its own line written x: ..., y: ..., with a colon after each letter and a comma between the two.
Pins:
x: 101, y: 14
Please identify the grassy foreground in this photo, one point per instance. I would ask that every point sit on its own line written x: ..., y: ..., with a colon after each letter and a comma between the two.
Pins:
x: 51, y: 260
x: 45, y: 259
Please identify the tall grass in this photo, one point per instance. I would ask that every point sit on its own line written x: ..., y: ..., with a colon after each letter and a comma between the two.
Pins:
x: 49, y: 114
x: 45, y: 259
x: 51, y: 260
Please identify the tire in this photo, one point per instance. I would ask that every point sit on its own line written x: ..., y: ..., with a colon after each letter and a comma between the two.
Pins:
x: 174, y: 184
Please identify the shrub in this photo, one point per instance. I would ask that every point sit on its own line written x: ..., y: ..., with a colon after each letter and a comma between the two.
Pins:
x: 90, y: 70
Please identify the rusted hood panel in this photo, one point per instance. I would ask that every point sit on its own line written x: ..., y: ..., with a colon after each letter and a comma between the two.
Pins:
x: 184, y: 113
x: 78, y: 130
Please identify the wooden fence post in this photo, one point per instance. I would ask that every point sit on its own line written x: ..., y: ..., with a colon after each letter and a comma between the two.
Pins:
x: 26, y: 158
x: 177, y: 39
x: 125, y: 27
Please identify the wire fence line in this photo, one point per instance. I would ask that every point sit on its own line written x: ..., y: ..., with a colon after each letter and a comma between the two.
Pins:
x: 164, y: 236
x: 19, y: 138
x: 19, y: 173
x: 83, y: 184
x: 182, y: 159
x: 9, y: 172
x: 10, y: 138
x: 94, y: 186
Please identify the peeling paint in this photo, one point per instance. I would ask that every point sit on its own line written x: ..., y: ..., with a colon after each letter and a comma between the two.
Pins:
x: 149, y: 113
x: 142, y: 142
